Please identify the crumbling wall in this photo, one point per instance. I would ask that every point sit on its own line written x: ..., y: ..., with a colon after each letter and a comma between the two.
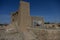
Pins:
x: 53, y: 34
x: 47, y: 34
x: 11, y: 36
x: 32, y: 34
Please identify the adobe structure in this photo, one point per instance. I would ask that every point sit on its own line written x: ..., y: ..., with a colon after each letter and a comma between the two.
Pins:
x: 23, y: 19
x: 26, y: 27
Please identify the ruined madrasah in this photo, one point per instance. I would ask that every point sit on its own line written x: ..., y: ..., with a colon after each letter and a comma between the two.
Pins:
x: 26, y: 27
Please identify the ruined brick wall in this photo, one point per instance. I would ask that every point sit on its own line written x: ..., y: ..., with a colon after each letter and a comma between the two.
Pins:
x: 24, y: 18
x: 37, y: 21
x: 52, y: 26
x: 14, y: 17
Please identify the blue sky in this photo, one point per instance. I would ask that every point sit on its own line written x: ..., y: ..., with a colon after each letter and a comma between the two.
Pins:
x: 49, y: 9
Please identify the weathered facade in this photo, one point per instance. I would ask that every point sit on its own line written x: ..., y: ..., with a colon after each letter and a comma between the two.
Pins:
x: 23, y: 19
